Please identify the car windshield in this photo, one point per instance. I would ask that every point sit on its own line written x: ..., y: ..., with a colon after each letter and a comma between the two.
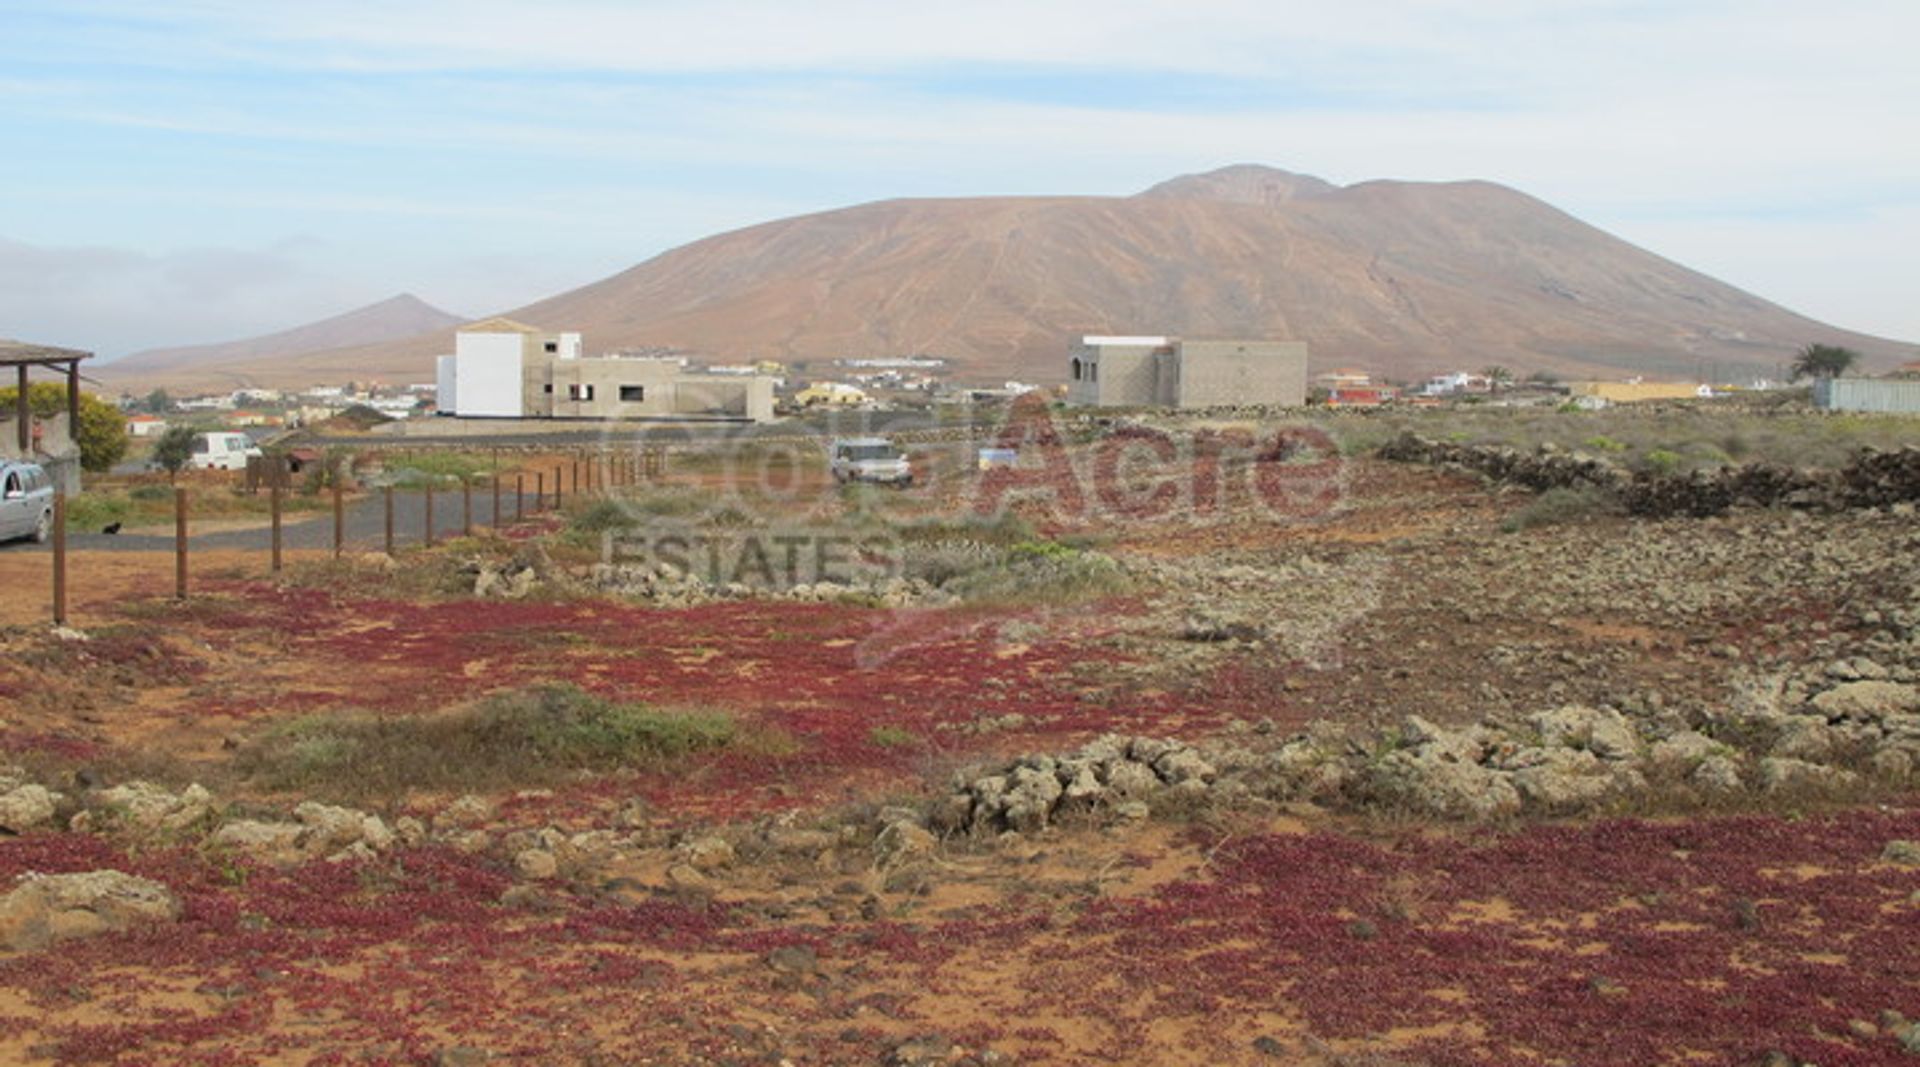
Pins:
x: 857, y: 453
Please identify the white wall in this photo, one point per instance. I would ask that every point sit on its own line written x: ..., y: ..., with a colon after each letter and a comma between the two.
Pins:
x: 445, y: 386
x: 487, y: 374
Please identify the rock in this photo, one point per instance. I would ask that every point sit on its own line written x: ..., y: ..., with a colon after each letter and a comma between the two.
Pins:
x: 27, y: 807
x: 1602, y: 731
x: 1132, y: 810
x: 902, y: 842
x: 1682, y: 752
x: 794, y: 959
x: 462, y: 1056
x: 45, y: 908
x: 686, y: 879
x: 1564, y: 780
x: 1779, y: 775
x: 330, y: 829
x: 1867, y: 700
x: 468, y: 810
x: 1183, y: 765
x: 1716, y: 775
x: 1435, y: 785
x: 1806, y: 739
x: 1030, y: 797
x: 1127, y: 780
x: 536, y: 864
x: 150, y: 807
x: 1904, y: 853
x: 271, y: 842
x: 708, y: 853
x: 927, y: 1051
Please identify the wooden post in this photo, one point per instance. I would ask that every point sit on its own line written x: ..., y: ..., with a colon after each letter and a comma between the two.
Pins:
x: 73, y: 401
x: 576, y: 476
x: 466, y: 508
x: 273, y: 506
x: 519, y: 497
x: 24, y: 413
x: 339, y: 521
x: 494, y: 519
x: 559, y: 484
x: 389, y: 496
x: 59, y: 559
x: 180, y: 543
x: 539, y: 490
x: 429, y: 533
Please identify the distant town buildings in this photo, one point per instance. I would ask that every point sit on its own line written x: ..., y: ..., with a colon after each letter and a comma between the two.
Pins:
x: 1169, y: 372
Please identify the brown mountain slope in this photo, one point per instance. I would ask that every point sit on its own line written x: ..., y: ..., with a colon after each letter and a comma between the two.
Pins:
x: 256, y: 360
x: 1406, y: 278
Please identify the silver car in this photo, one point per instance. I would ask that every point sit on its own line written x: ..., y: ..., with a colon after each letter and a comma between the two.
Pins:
x: 26, y: 501
x: 868, y: 459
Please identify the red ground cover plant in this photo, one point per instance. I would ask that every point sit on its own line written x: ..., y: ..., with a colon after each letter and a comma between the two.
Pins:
x: 1620, y: 942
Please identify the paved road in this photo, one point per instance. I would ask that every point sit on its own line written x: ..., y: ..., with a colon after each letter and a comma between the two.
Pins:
x: 365, y: 527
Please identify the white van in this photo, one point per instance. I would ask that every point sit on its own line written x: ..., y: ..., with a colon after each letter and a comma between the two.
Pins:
x: 222, y: 451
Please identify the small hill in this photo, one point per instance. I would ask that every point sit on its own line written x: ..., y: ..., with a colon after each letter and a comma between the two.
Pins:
x: 261, y: 360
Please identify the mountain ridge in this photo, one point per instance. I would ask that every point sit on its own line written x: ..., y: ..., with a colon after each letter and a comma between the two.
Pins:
x: 1405, y: 278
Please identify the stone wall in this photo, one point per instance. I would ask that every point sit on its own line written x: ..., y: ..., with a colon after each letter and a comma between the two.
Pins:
x: 1872, y: 479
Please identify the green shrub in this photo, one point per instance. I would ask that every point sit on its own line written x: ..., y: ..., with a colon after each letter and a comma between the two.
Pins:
x: 1603, y: 443
x: 529, y: 737
x: 891, y: 737
x: 1663, y: 461
x: 1556, y: 506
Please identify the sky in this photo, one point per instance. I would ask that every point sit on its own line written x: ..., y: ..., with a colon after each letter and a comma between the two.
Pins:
x: 202, y: 171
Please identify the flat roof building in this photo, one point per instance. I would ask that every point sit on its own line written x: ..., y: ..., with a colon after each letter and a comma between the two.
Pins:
x: 1150, y: 371
x: 505, y: 369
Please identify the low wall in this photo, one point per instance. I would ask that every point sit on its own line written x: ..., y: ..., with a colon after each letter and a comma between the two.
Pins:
x: 1872, y: 479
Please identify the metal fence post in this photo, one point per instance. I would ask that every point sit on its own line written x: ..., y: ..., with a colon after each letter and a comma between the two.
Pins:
x: 466, y: 508
x: 389, y: 499
x: 519, y: 497
x: 339, y: 522
x: 429, y: 532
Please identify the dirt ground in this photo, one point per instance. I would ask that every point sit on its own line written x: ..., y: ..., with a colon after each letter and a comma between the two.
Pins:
x: 1249, y: 934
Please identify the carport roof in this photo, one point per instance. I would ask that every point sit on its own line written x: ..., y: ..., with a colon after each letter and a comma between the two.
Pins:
x: 14, y: 353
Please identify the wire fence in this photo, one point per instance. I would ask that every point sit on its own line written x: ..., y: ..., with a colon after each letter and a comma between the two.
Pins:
x: 422, y: 516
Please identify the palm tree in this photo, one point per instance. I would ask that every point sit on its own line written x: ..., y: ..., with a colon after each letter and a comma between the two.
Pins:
x: 1823, y: 361
x: 1496, y: 377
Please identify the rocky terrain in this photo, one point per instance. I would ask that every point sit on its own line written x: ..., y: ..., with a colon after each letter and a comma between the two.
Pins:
x: 1613, y: 785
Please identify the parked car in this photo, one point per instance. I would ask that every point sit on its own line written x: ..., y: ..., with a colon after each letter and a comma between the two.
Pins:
x: 222, y: 451
x: 26, y: 501
x: 868, y: 459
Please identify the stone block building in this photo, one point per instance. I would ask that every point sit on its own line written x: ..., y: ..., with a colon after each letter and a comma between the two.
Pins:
x: 1171, y: 372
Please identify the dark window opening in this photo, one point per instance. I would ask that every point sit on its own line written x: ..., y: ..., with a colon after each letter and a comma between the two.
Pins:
x: 579, y: 391
x: 553, y: 346
x: 548, y: 388
x: 633, y: 394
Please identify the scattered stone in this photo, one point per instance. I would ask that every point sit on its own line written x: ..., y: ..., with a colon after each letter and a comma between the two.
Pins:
x: 150, y: 807
x: 536, y: 864
x: 794, y: 959
x: 45, y: 908
x: 1904, y: 853
x: 708, y: 853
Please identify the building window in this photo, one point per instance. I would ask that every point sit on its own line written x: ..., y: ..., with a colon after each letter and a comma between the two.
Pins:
x: 547, y: 388
x: 1076, y: 368
x: 579, y: 391
x: 1093, y: 372
x: 553, y: 346
x: 633, y: 394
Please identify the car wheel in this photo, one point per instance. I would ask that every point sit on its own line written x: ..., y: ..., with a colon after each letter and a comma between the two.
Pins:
x: 43, y: 529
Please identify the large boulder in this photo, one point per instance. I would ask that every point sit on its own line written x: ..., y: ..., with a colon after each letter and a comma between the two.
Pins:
x: 27, y: 806
x: 45, y: 908
x: 272, y: 842
x: 1431, y: 783
x: 1563, y: 779
x: 1602, y: 731
x: 150, y: 807
x: 1867, y: 701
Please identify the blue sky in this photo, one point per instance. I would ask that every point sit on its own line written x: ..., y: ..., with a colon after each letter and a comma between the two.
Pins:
x: 196, y: 171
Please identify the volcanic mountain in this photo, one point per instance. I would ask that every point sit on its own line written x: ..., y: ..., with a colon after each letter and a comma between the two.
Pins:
x: 273, y: 358
x: 1404, y: 278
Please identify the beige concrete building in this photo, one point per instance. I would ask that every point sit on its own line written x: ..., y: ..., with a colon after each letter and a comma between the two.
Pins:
x: 505, y: 369
x: 1169, y: 372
